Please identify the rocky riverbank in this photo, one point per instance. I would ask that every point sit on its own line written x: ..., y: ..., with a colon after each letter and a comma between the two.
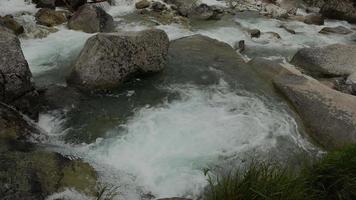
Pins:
x: 268, y: 92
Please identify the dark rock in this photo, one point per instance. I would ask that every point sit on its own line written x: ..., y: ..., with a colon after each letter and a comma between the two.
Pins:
x: 15, y: 75
x: 254, y: 33
x: 49, y: 17
x: 240, y: 46
x: 205, y: 12
x: 142, y: 4
x: 158, y: 6
x: 116, y: 56
x: 335, y: 30
x: 72, y: 5
x: 341, y: 10
x: 91, y: 19
x: 291, y: 31
x: 315, y: 19
x: 9, y: 22
x: 46, y: 4
x: 59, y: 97
x: 30, y: 172
x: 332, y: 60
x: 183, y: 7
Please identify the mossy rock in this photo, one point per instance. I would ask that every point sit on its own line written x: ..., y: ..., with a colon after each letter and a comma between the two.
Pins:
x: 28, y: 171
x: 41, y: 173
x: 79, y: 175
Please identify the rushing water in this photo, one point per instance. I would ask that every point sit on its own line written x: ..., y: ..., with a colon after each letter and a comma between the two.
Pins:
x: 152, y: 138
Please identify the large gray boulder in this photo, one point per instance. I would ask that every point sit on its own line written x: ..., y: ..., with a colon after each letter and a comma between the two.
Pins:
x: 91, y: 19
x: 15, y: 75
x: 107, y: 59
x: 332, y: 60
x: 16, y: 87
x: 339, y: 9
x: 329, y: 115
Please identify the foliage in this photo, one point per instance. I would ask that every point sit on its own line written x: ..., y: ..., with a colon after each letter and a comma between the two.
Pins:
x: 332, y: 177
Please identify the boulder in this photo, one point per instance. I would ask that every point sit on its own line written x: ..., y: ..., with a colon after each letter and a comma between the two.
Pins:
x: 15, y: 75
x: 9, y: 22
x: 158, y: 6
x: 332, y: 60
x: 49, y: 17
x: 205, y: 12
x: 31, y: 172
x: 91, y: 19
x: 329, y: 115
x: 335, y: 30
x: 142, y: 4
x: 341, y: 10
x: 183, y: 7
x: 108, y: 59
x: 46, y: 4
x: 315, y: 19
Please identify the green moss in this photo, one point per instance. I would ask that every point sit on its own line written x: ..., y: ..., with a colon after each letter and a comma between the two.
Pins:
x: 79, y: 175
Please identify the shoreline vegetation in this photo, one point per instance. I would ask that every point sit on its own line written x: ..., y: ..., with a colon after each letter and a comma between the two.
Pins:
x: 331, y: 177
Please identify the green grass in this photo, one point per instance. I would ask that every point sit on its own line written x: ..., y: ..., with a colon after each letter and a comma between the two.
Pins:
x: 332, y: 177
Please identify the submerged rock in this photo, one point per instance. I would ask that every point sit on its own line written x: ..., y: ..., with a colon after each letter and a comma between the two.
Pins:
x: 254, y: 33
x: 332, y: 60
x: 49, y: 17
x: 205, y: 12
x: 108, y: 59
x: 59, y: 97
x: 330, y: 115
x: 335, y: 30
x: 91, y: 19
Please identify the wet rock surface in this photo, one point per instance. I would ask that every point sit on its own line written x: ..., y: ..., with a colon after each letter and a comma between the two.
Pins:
x: 49, y: 17
x: 330, y: 115
x: 16, y: 86
x: 28, y: 171
x: 91, y: 19
x: 332, y: 60
x: 117, y: 56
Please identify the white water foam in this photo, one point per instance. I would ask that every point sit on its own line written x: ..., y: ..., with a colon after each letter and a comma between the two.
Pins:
x: 163, y: 149
x: 14, y: 7
x: 45, y: 54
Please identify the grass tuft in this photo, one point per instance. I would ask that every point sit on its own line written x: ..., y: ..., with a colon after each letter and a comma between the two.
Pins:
x: 332, y: 177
